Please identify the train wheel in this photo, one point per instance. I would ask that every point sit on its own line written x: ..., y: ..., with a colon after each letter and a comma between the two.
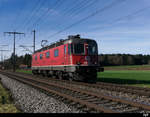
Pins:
x: 70, y: 76
x: 54, y: 77
x: 60, y: 75
x: 70, y: 79
x: 33, y: 72
x: 43, y: 73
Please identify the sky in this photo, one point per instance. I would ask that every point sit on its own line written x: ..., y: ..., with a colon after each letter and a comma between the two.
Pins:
x: 118, y: 26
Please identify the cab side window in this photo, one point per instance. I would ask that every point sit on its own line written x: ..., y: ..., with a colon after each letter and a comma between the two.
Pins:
x: 35, y: 57
x: 70, y: 49
x: 47, y: 54
x: 65, y: 50
x: 41, y: 56
x: 56, y: 53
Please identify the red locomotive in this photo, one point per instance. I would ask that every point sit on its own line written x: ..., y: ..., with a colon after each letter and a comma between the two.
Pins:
x: 74, y: 58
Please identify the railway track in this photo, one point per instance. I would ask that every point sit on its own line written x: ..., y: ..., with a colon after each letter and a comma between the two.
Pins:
x: 135, y: 93
x: 101, y: 85
x: 83, y: 99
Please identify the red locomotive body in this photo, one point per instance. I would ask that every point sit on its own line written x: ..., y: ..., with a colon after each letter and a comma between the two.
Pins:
x: 73, y: 58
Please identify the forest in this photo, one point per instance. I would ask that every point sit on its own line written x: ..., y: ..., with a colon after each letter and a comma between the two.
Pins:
x: 123, y: 59
x: 104, y: 60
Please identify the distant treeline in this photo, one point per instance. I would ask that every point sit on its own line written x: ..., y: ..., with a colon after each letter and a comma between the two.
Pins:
x: 104, y: 60
x: 20, y: 60
x: 123, y: 59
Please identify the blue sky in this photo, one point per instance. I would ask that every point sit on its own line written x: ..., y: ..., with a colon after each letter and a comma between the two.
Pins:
x: 119, y: 26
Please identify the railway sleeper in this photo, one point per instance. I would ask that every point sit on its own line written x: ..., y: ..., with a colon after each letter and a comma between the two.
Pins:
x: 127, y: 109
x: 93, y: 100
x: 79, y: 106
x: 131, y: 110
x: 85, y: 98
x: 111, y: 104
x: 118, y: 107
x: 102, y: 102
x: 67, y: 101
x: 85, y: 109
x: 73, y: 103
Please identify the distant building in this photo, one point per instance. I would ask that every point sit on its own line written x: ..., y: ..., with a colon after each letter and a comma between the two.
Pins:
x: 149, y: 62
x: 22, y: 66
x: 2, y: 67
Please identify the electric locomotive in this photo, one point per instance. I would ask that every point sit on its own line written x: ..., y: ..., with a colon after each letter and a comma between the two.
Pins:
x: 74, y: 58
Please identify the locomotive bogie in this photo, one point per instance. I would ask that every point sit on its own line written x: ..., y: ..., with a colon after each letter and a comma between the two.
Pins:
x: 80, y: 73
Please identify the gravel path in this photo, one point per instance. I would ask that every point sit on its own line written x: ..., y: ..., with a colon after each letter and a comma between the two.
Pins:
x: 30, y: 100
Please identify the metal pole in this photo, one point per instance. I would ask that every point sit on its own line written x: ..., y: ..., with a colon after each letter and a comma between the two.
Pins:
x: 33, y: 41
x: 14, y: 33
x: 14, y: 65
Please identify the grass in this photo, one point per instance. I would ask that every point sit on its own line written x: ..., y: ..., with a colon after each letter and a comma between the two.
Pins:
x: 131, y: 77
x: 6, y: 105
x: 25, y: 71
x: 126, y: 74
x: 127, y: 67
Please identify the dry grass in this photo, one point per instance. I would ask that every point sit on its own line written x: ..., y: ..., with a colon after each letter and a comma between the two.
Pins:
x: 6, y: 103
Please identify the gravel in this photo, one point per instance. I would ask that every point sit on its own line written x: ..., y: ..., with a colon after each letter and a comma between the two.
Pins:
x: 122, y: 95
x: 31, y: 100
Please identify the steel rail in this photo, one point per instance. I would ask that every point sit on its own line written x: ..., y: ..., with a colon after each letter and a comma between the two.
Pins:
x: 82, y: 102
x: 146, y: 107
x: 110, y: 86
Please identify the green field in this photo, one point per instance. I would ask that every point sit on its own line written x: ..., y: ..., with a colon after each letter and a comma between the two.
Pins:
x: 132, y: 77
x: 121, y: 75
x: 6, y: 105
x: 24, y: 71
x: 127, y: 67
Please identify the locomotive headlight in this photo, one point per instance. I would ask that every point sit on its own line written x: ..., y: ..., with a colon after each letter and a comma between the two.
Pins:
x: 78, y: 63
x: 87, y: 58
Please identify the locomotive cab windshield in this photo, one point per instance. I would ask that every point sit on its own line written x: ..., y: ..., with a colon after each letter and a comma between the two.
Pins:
x: 79, y: 49
x: 92, y: 49
x: 85, y: 48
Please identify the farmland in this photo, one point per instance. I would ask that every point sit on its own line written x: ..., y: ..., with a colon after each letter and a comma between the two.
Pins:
x: 126, y: 67
x: 137, y: 75
x: 24, y: 71
x: 132, y: 75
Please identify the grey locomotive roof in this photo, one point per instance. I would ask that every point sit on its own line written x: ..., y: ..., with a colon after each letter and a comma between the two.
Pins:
x: 71, y: 39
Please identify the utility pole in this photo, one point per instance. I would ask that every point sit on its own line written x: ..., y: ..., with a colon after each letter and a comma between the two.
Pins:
x: 2, y: 59
x: 33, y: 40
x: 2, y: 52
x: 14, y: 33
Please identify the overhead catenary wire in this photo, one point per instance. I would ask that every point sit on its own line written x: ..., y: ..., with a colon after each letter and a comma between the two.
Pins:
x: 75, y: 7
x: 89, y: 16
x: 79, y: 10
x: 83, y: 7
x: 55, y: 5
x: 35, y: 9
x: 35, y: 14
x: 80, y: 7
x: 64, y: 11
x: 31, y: 14
x: 14, y: 23
x: 129, y: 16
